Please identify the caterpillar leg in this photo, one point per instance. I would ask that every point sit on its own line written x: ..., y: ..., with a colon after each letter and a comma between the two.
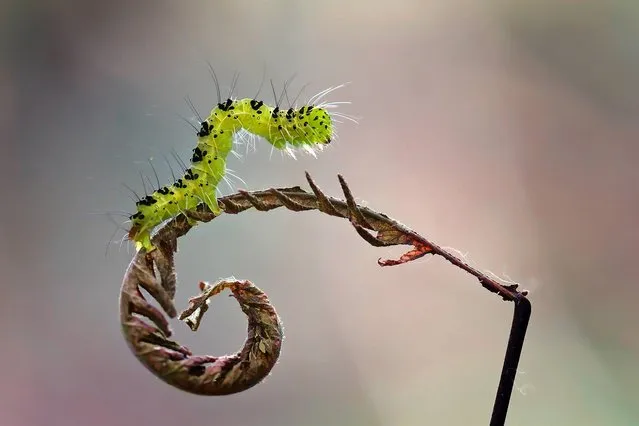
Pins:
x: 141, y: 236
x: 213, y: 205
x: 193, y: 216
x: 144, y: 242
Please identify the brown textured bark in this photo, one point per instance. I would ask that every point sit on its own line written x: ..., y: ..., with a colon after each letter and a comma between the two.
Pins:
x: 212, y: 375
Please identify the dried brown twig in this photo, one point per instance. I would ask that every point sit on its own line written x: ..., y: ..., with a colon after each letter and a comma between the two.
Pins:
x: 209, y: 375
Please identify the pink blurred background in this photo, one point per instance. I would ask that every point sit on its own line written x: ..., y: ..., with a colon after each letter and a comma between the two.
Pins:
x: 506, y: 130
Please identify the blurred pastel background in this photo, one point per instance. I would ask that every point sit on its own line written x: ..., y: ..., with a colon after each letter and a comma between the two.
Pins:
x: 506, y: 130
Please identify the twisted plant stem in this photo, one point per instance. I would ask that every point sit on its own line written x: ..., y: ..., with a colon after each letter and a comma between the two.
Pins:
x: 155, y: 272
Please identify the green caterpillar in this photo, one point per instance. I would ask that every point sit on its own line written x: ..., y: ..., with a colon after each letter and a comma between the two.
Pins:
x: 307, y: 127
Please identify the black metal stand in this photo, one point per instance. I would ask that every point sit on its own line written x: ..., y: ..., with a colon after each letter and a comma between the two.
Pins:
x: 518, y: 329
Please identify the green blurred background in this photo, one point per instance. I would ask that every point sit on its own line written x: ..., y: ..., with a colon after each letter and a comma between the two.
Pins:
x: 506, y: 130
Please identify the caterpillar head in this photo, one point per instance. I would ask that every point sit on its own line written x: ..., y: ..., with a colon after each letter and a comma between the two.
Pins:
x: 307, y: 126
x: 319, y: 121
